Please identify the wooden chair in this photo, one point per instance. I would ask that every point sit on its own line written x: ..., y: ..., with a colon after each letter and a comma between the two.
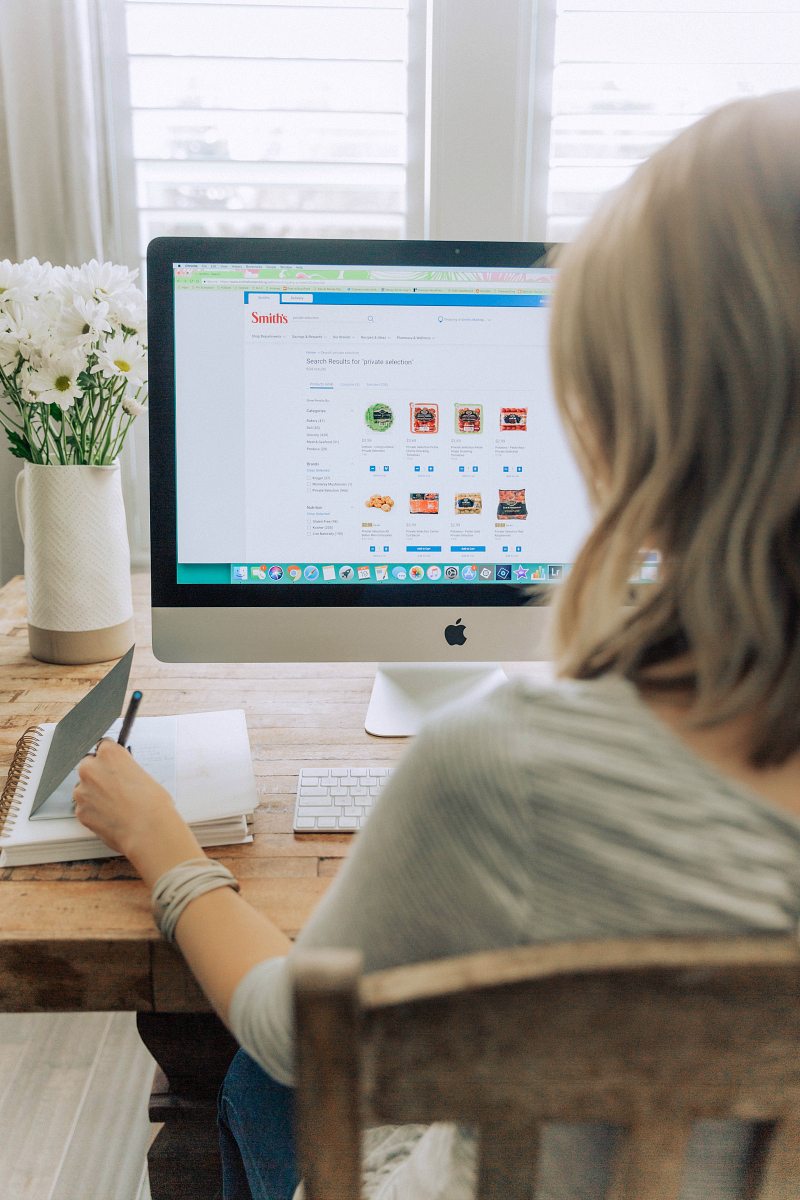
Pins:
x: 649, y: 1034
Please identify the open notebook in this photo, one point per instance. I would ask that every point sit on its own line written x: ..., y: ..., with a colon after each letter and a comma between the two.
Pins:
x: 203, y: 759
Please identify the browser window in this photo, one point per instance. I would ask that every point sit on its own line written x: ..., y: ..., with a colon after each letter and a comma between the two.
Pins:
x: 380, y: 424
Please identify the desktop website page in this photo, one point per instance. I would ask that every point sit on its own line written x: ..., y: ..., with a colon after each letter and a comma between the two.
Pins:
x: 368, y: 425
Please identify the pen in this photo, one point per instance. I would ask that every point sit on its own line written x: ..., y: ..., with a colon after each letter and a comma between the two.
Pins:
x: 127, y: 720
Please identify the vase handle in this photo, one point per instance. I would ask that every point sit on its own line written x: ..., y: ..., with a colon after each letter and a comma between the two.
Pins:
x: 19, y: 500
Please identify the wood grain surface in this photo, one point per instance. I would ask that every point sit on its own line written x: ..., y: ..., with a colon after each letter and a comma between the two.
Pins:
x: 649, y: 1034
x: 58, y: 922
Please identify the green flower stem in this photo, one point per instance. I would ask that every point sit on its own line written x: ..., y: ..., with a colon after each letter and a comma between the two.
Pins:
x: 92, y: 431
x: 13, y: 395
x: 38, y: 446
x: 9, y: 421
x: 108, y: 428
x: 116, y: 392
x: 62, y: 439
x: 77, y: 423
x: 9, y: 425
x: 124, y: 426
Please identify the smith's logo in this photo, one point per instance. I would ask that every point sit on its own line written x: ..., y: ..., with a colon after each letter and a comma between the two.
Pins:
x: 269, y: 318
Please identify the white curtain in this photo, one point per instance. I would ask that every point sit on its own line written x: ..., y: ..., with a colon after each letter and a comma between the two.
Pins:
x: 51, y: 202
x: 54, y: 193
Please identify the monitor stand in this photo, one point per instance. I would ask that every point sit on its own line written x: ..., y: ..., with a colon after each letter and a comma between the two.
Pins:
x: 404, y: 695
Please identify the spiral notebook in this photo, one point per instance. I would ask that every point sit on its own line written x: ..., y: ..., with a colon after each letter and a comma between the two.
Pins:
x: 203, y: 759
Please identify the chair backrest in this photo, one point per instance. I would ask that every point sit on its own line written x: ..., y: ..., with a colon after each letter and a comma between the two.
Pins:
x: 649, y: 1034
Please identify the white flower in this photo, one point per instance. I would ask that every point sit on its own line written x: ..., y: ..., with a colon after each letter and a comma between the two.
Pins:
x: 9, y: 353
x: 128, y: 310
x: 82, y: 319
x: 99, y: 281
x: 122, y: 357
x: 132, y: 405
x: 55, y: 380
x: 21, y: 283
x: 20, y: 335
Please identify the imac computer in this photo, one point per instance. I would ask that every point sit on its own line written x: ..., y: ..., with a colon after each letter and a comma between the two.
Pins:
x: 355, y: 455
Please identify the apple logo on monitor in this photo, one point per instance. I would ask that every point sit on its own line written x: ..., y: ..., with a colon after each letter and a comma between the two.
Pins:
x: 455, y: 635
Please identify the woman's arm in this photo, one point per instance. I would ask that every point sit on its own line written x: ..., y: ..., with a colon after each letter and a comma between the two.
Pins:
x: 220, y: 935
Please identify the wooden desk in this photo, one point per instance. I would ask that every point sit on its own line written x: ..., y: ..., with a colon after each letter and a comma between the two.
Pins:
x: 79, y: 937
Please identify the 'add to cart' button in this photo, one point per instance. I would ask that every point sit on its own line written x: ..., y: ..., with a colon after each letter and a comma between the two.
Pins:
x: 422, y: 549
x: 467, y: 549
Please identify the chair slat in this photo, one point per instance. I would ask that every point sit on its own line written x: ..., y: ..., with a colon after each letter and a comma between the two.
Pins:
x: 781, y: 1176
x: 327, y: 1112
x: 650, y: 1159
x: 507, y: 1161
x: 664, y: 1035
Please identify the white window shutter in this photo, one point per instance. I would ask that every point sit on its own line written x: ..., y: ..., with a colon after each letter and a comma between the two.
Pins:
x: 267, y: 119
x: 629, y: 74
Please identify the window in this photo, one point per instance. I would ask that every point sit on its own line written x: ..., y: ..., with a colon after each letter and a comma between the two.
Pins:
x: 309, y: 118
x: 629, y: 74
x: 268, y: 119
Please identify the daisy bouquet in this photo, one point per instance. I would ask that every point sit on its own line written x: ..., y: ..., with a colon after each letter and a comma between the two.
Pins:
x: 73, y: 362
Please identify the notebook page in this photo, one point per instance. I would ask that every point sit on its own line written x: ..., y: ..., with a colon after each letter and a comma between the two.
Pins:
x: 153, y: 744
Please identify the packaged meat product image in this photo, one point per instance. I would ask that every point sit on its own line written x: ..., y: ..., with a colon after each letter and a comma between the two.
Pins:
x: 469, y: 418
x: 379, y: 417
x: 513, y: 418
x: 423, y: 502
x: 512, y: 505
x: 468, y: 502
x: 424, y: 418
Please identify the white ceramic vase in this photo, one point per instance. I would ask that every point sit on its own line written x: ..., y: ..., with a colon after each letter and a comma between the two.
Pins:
x: 77, y: 562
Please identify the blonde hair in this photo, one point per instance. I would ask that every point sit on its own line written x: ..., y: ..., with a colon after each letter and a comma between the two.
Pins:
x: 675, y: 347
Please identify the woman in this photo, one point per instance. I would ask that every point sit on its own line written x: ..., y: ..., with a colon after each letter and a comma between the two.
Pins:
x: 655, y: 788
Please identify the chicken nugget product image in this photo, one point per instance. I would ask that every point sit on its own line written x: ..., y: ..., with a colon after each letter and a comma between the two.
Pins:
x: 469, y: 418
x: 513, y: 418
x: 512, y: 506
x: 468, y: 502
x: 423, y: 502
x: 384, y: 503
x: 379, y: 417
x: 424, y: 418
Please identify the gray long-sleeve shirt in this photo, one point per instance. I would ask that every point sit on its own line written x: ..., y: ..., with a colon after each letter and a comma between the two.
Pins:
x: 562, y: 811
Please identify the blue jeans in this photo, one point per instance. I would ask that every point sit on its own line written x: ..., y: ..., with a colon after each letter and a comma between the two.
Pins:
x: 256, y: 1134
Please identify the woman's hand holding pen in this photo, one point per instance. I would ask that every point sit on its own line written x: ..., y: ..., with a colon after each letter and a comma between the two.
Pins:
x: 123, y: 805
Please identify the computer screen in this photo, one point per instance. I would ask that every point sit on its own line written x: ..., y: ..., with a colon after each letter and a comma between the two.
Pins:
x: 339, y: 429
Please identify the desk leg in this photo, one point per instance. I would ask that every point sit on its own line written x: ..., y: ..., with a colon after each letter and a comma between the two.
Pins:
x: 193, y: 1051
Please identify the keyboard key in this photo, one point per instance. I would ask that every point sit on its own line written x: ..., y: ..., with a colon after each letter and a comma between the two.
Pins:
x: 305, y: 823
x: 310, y: 790
x: 329, y: 810
x: 326, y: 823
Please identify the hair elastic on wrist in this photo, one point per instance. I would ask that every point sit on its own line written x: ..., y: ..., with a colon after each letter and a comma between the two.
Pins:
x: 182, y: 884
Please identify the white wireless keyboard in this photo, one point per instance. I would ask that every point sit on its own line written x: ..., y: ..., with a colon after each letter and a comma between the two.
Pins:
x: 336, y: 799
